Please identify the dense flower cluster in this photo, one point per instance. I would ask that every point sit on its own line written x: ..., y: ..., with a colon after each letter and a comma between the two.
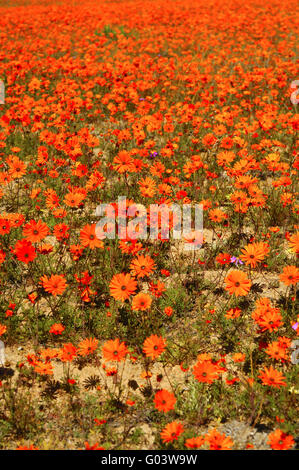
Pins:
x: 164, y: 103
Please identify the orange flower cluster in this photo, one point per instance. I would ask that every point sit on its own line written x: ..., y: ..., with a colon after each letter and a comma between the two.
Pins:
x: 176, y: 104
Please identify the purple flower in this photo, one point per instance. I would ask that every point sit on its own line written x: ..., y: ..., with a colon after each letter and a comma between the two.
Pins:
x: 236, y: 260
x: 295, y: 326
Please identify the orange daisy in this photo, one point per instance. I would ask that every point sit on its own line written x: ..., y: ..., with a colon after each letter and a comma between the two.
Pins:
x: 123, y: 162
x: 153, y: 346
x: 5, y: 226
x: 237, y: 283
x: 272, y: 377
x: 17, y: 168
x: 87, y: 346
x: 147, y: 187
x: 55, y: 284
x: 88, y: 237
x: 141, y: 301
x: 67, y: 352
x: 122, y: 286
x: 217, y: 215
x: 35, y: 231
x: 3, y: 329
x: 278, y: 440
x: 218, y: 441
x: 43, y: 368
x: 290, y: 275
x: 142, y: 266
x: 254, y: 253
x: 194, y: 442
x: 25, y: 251
x: 114, y: 350
x: 205, y: 372
x: 164, y: 400
x: 294, y: 242
x: 276, y: 351
x: 172, y: 431
x: 74, y: 199
x: 56, y: 329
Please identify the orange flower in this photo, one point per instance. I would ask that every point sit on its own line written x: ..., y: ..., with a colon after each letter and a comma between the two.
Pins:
x: 204, y: 357
x: 25, y: 251
x: 237, y: 283
x: 239, y: 357
x: 141, y: 301
x: 129, y: 246
x: 89, y: 239
x: 35, y: 231
x: 168, y: 311
x: 15, y: 219
x: 290, y: 275
x: 3, y: 329
x: 272, y: 377
x: 205, y: 372
x: 217, y: 215
x: 48, y: 354
x: 74, y: 199
x: 32, y: 297
x: 146, y: 374
x: 164, y: 400
x: 56, y: 329
x: 55, y: 284
x: 218, y: 441
x: 270, y: 320
x: 43, y: 368
x: 123, y: 162
x: 17, y: 168
x: 130, y: 402
x: 194, y: 442
x: 67, y: 352
x: 87, y: 346
x: 2, y: 256
x: 61, y: 231
x: 111, y: 372
x: 294, y: 242
x: 147, y: 187
x: 233, y: 313
x: 153, y: 346
x: 267, y: 317
x: 31, y: 447
x: 276, y: 351
x: 76, y: 251
x: 45, y: 248
x: 122, y: 286
x: 223, y: 258
x: 95, y: 446
x: 142, y: 266
x: 157, y: 288
x: 254, y: 253
x: 5, y: 226
x: 172, y: 431
x: 113, y: 350
x: 278, y: 440
x: 194, y: 238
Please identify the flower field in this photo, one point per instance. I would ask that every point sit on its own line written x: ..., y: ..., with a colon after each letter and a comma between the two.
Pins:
x: 126, y: 342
